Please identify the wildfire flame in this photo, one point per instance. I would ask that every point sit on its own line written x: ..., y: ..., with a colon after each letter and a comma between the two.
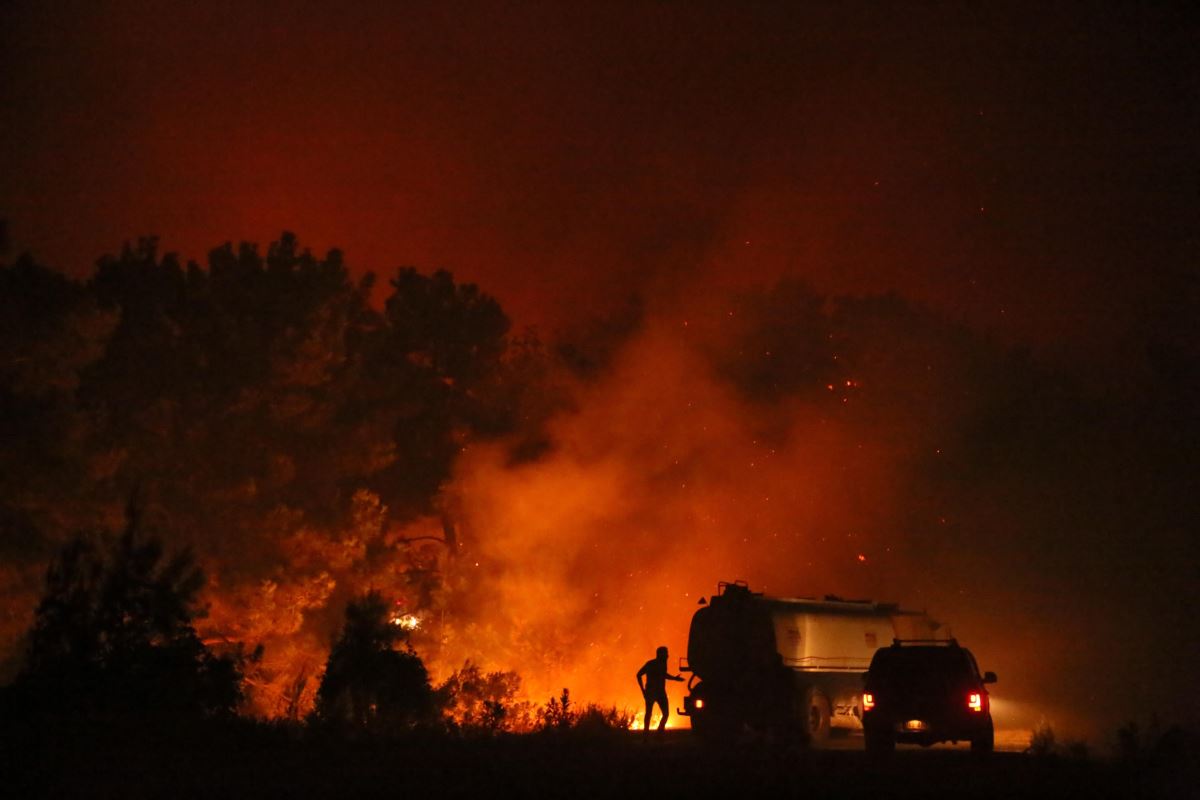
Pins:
x: 409, y: 622
x: 571, y: 569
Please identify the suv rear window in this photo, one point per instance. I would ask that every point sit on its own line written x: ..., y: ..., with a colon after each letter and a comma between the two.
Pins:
x: 922, y: 665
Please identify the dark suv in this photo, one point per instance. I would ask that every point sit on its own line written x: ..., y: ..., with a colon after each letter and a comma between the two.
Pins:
x: 925, y: 692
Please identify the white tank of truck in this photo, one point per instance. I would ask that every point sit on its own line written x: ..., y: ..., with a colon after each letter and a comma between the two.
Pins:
x: 772, y: 662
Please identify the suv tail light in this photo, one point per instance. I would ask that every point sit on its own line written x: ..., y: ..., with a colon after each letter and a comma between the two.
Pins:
x: 868, y: 701
x: 975, y: 701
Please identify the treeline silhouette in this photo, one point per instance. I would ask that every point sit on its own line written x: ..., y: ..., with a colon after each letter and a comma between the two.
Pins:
x: 113, y: 640
x: 258, y: 401
x: 287, y: 424
x: 184, y: 373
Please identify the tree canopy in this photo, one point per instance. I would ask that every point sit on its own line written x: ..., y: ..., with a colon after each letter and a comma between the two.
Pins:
x: 113, y: 634
x: 263, y: 401
x: 369, y: 683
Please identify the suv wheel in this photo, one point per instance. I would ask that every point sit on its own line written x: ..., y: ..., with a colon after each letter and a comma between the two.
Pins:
x: 879, y: 742
x: 984, y: 742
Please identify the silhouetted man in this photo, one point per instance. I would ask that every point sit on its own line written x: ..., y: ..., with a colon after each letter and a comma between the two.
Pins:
x: 654, y: 687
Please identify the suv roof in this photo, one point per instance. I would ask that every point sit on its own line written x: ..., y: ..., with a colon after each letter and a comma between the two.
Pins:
x: 940, y: 656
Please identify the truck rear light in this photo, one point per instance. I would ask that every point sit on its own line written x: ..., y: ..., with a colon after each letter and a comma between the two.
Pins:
x: 975, y: 701
x: 699, y: 703
x: 868, y: 701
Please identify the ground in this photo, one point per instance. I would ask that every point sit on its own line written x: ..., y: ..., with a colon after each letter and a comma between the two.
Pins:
x: 264, y: 763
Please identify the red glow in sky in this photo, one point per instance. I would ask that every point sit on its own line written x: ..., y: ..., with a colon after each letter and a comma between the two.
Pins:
x: 1012, y: 166
x: 1025, y: 169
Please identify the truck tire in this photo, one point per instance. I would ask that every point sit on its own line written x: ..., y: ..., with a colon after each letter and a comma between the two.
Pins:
x: 720, y: 729
x: 817, y: 714
x: 716, y: 724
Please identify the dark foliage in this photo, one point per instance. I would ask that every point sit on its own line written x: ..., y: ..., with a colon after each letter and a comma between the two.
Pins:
x: 557, y: 714
x: 254, y: 382
x: 369, y: 685
x: 285, y: 352
x: 560, y: 715
x: 113, y: 635
x: 478, y: 703
x: 260, y: 392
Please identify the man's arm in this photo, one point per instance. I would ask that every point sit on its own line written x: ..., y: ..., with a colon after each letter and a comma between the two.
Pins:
x: 671, y: 677
x: 641, y: 673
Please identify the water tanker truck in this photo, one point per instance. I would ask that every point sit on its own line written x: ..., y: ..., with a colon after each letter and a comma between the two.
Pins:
x: 790, y: 665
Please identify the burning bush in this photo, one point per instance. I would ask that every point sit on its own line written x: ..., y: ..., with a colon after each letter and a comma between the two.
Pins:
x: 477, y: 703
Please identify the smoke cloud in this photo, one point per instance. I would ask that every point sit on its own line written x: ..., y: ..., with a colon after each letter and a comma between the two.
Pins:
x: 862, y: 447
x: 557, y: 509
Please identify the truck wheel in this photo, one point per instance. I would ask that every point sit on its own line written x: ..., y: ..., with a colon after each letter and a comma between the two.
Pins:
x: 816, y: 709
x: 715, y: 727
x: 722, y: 729
x: 984, y: 742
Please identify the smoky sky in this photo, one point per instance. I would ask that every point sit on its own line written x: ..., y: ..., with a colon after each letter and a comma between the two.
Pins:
x: 863, y: 447
x: 1024, y: 176
x: 1028, y: 169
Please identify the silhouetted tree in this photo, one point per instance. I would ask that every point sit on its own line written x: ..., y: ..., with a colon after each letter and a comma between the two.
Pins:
x: 558, y: 713
x: 368, y: 683
x: 50, y: 330
x: 438, y: 343
x: 268, y: 380
x: 254, y: 397
x: 113, y: 634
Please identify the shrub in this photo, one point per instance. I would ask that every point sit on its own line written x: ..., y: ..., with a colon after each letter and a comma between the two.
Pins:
x: 595, y: 718
x: 368, y: 684
x: 477, y: 703
x: 559, y: 715
x: 1077, y: 749
x: 1041, y: 742
x: 113, y: 635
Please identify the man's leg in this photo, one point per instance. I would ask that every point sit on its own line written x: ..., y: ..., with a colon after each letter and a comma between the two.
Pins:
x: 662, y: 703
x: 649, y: 709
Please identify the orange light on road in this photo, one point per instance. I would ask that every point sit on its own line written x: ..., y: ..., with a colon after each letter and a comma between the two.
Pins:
x: 975, y: 701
